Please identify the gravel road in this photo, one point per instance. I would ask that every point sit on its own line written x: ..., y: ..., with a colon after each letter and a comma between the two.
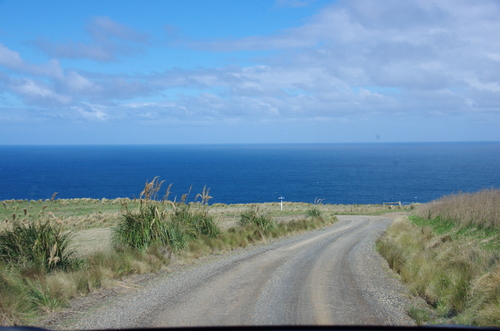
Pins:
x: 330, y: 276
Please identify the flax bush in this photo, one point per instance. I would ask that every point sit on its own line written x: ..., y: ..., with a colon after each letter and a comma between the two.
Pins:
x: 41, y: 243
x: 313, y: 212
x: 252, y: 216
x: 154, y: 223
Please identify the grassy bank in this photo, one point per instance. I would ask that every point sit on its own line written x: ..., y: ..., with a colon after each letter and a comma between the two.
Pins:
x: 144, y: 236
x: 86, y: 213
x: 448, y: 253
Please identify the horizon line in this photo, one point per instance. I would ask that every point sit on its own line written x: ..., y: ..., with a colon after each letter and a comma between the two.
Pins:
x: 254, y: 143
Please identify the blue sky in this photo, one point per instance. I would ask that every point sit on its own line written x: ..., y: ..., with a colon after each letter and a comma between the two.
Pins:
x: 284, y: 71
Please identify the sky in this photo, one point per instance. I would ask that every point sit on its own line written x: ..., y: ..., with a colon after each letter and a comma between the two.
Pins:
x: 248, y: 71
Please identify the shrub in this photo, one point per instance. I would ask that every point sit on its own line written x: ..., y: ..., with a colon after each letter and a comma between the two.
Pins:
x: 313, y: 212
x: 143, y: 228
x: 39, y: 243
x: 154, y: 223
x: 253, y: 217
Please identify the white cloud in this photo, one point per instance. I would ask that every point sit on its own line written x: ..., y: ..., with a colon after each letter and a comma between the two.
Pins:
x: 9, y: 58
x: 92, y: 112
x: 37, y: 93
x: 442, y: 58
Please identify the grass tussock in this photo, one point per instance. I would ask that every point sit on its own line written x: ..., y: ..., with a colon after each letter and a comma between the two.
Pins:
x: 41, y: 243
x: 173, y: 224
x: 253, y: 228
x: 445, y: 262
x: 253, y: 216
x: 39, y: 272
x: 27, y: 292
x: 313, y: 212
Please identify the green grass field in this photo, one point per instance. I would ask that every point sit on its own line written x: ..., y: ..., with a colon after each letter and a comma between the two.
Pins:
x: 82, y: 214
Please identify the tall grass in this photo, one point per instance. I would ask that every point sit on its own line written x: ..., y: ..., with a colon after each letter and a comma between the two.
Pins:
x: 15, y: 306
x: 27, y: 292
x: 313, y: 212
x: 173, y: 224
x: 254, y: 228
x: 480, y: 209
x: 41, y: 243
x: 141, y: 229
x: 252, y: 216
x: 444, y: 262
x: 156, y: 223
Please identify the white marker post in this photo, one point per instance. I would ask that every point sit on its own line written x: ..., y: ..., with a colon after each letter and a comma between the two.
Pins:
x: 281, y: 198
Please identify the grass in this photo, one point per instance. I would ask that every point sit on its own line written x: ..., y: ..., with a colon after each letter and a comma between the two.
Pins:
x: 169, y: 223
x: 449, y: 259
x: 40, y: 244
x: 480, y: 209
x: 86, y: 213
x: 156, y: 223
x: 75, y: 214
x: 313, y: 212
x: 40, y: 273
x: 254, y: 227
x: 28, y: 292
x: 252, y: 216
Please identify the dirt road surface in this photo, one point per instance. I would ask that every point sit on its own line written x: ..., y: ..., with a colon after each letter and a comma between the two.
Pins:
x: 331, y: 276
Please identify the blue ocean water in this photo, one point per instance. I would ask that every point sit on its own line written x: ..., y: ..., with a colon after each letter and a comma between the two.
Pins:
x: 336, y: 173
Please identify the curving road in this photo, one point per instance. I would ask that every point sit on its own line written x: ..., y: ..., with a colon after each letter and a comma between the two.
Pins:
x: 331, y: 276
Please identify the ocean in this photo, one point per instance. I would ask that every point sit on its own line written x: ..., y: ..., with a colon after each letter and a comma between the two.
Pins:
x: 334, y: 173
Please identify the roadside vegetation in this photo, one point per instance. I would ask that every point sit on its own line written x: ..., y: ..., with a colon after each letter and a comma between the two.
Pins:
x: 42, y: 267
x: 448, y: 253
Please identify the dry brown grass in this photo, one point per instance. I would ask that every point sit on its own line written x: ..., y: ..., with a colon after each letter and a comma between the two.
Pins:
x: 481, y: 208
x: 449, y: 256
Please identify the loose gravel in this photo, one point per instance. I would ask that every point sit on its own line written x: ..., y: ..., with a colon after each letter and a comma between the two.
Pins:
x: 328, y: 276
